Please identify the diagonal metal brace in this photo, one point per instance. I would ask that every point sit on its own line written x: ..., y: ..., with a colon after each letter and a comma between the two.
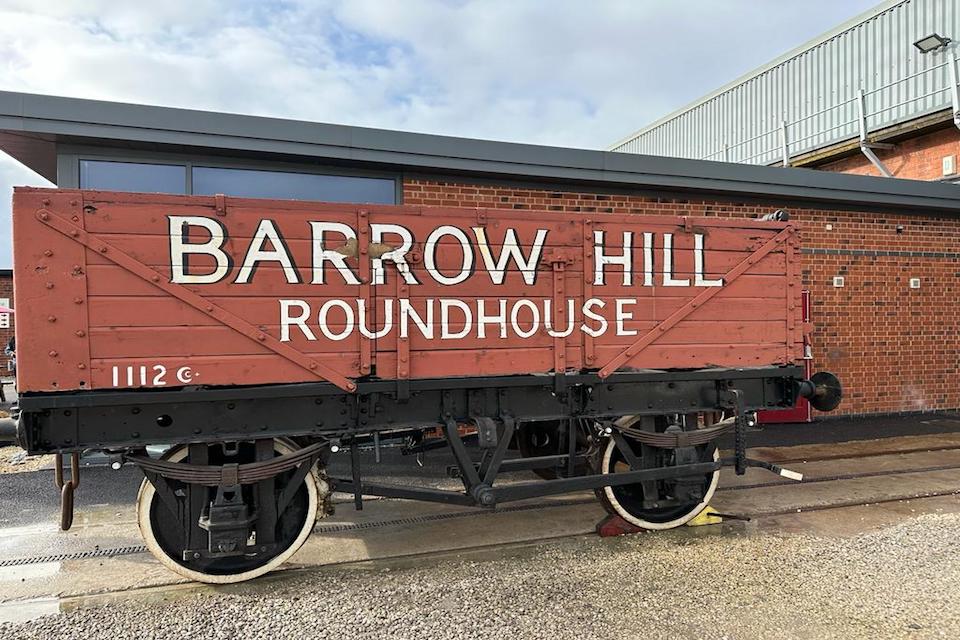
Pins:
x: 199, y: 303
x: 673, y: 319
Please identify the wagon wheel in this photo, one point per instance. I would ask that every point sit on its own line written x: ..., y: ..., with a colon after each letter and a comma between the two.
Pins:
x: 636, y: 507
x: 166, y: 537
x: 547, y: 438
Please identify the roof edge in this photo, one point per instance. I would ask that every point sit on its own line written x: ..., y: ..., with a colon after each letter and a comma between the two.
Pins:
x: 150, y: 127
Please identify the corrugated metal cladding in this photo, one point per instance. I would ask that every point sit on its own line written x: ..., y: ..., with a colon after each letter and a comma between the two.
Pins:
x: 814, y: 91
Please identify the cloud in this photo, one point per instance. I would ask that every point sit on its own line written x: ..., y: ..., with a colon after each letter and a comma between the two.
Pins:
x: 565, y: 72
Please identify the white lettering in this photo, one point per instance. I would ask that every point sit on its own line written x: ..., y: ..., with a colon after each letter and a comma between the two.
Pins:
x: 407, y: 312
x: 668, y: 279
x: 622, y: 316
x: 647, y: 259
x: 548, y: 322
x: 601, y: 258
x: 515, y: 318
x: 300, y: 321
x: 362, y: 318
x: 445, y: 305
x: 510, y: 250
x: 180, y: 249
x: 587, y: 306
x: 430, y: 255
x: 499, y: 319
x: 348, y: 323
x: 698, y: 268
x: 396, y: 256
x: 256, y: 253
x: 322, y: 255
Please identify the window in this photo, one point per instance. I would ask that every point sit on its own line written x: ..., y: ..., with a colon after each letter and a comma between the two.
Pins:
x: 253, y: 183
x: 133, y: 176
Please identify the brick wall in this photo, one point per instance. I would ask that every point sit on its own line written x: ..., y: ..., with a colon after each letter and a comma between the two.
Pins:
x: 894, y: 348
x: 918, y: 158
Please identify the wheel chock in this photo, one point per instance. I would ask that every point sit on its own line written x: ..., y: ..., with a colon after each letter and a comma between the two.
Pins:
x: 614, y: 525
x: 707, y: 516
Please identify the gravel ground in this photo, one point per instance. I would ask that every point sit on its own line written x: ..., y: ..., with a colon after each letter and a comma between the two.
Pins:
x: 15, y: 460
x: 898, y: 582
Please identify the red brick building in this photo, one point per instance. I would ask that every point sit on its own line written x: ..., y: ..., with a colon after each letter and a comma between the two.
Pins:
x: 876, y: 96
x: 881, y: 257
x: 6, y: 319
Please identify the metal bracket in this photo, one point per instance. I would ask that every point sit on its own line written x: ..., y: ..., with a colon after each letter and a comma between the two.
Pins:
x: 955, y: 90
x: 366, y: 277
x: 589, y: 350
x: 735, y: 398
x: 866, y: 146
x: 403, y: 349
x: 559, y: 264
x: 199, y: 303
x: 673, y: 319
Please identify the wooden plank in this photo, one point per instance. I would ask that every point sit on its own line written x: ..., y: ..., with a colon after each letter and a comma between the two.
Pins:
x: 136, y: 321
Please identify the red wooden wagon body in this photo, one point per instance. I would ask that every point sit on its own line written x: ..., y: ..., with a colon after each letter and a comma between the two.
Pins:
x: 120, y: 291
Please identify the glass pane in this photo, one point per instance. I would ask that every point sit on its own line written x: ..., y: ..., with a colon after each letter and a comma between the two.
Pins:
x: 133, y: 176
x: 251, y: 183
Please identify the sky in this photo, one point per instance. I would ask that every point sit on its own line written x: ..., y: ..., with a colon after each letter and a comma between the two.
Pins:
x: 559, y: 72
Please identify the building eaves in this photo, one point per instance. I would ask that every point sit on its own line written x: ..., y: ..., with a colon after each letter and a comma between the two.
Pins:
x: 44, y: 118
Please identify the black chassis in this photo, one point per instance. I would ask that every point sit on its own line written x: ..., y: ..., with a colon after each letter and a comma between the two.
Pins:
x: 132, y: 419
x: 126, y: 421
x: 129, y: 420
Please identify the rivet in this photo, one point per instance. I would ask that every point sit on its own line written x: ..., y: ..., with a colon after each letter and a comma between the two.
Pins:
x: 52, y: 354
x: 155, y: 278
x: 75, y: 218
x: 44, y: 216
x: 49, y: 285
x: 74, y: 233
x: 261, y: 337
x: 51, y: 318
x: 135, y: 434
x: 103, y: 249
x: 78, y: 301
x: 48, y: 253
x: 209, y: 307
x: 81, y: 366
x: 81, y: 333
x: 73, y: 203
x: 313, y: 365
x: 46, y: 202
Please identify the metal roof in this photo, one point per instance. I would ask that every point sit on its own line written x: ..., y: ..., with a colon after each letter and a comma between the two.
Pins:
x: 809, y: 98
x: 31, y: 127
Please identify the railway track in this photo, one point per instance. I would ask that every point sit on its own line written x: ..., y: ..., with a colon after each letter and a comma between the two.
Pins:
x: 425, y: 519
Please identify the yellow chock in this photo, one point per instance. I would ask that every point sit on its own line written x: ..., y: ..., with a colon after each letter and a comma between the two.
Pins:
x: 707, y: 516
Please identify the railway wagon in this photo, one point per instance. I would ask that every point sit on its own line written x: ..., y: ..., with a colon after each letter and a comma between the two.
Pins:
x: 259, y: 337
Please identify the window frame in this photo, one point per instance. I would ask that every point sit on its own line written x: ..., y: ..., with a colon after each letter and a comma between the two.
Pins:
x: 69, y: 157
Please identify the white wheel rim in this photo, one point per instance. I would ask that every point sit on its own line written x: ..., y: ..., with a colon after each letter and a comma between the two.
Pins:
x: 145, y: 499
x: 646, y: 524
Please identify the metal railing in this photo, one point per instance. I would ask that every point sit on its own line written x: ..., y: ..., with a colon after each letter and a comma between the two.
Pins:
x: 784, y: 146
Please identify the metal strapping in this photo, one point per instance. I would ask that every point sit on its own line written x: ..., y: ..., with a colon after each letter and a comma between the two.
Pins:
x: 673, y: 319
x: 199, y: 303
